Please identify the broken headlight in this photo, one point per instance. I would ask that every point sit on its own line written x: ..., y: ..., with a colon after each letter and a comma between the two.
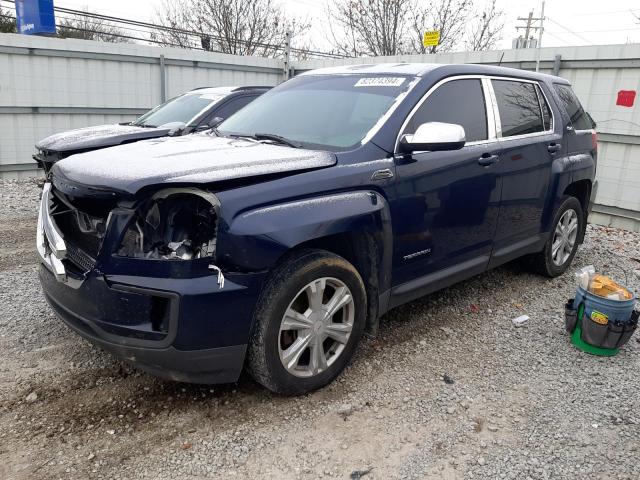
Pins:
x: 174, y: 224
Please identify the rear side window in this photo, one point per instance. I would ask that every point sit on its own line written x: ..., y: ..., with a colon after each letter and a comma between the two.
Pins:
x: 579, y: 118
x: 519, y: 108
x: 547, y: 118
x: 458, y: 101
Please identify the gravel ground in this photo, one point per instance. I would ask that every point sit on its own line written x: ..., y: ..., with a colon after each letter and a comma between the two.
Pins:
x: 449, y: 389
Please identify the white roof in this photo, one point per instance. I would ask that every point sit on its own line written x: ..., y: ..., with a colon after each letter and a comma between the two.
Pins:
x: 416, y: 69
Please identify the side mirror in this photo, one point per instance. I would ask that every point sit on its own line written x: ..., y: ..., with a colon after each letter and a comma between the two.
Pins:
x: 434, y: 137
x: 175, y: 128
x: 215, y: 121
x: 593, y: 122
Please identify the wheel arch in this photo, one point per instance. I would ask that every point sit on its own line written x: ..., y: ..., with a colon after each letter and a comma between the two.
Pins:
x: 353, y: 225
x: 581, y: 190
x: 365, y: 251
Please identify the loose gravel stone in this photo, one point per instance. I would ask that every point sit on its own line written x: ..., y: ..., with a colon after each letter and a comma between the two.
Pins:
x: 524, y: 400
x: 345, y: 410
x: 32, y: 397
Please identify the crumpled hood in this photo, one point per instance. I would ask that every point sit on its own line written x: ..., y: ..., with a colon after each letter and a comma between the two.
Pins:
x: 98, y: 137
x: 200, y: 158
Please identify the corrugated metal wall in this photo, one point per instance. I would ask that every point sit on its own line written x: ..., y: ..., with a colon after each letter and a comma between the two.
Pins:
x: 51, y: 85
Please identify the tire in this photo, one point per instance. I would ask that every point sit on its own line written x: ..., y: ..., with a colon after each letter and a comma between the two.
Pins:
x: 293, y: 288
x: 550, y: 261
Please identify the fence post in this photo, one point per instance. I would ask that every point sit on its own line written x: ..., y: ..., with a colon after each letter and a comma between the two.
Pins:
x: 163, y: 80
x: 556, y: 64
x: 287, y: 56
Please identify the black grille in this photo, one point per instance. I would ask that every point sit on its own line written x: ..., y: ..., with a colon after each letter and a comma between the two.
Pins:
x: 82, y: 232
x: 81, y: 259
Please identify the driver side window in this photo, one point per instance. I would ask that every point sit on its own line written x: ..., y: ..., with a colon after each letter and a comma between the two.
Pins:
x: 458, y: 101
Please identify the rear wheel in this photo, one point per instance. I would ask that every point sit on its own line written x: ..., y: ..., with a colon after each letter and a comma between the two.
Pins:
x: 561, y: 247
x: 309, y: 319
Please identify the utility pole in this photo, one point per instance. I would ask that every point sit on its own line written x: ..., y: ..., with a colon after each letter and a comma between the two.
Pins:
x: 529, y: 28
x: 540, y: 37
x: 527, y: 43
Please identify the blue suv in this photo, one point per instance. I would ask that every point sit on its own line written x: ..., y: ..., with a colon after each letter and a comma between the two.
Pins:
x: 276, y: 240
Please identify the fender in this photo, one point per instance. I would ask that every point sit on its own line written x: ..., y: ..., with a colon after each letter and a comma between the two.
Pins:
x: 583, y: 167
x: 256, y: 239
x: 560, y: 180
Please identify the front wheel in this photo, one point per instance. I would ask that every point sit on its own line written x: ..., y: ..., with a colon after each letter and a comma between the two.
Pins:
x: 308, y: 321
x: 561, y: 247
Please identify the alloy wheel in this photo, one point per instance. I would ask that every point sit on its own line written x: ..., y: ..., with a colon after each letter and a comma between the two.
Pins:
x: 316, y: 327
x: 564, y: 237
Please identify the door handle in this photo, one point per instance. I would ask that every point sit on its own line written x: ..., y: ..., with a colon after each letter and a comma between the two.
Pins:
x: 554, y: 147
x: 487, y: 159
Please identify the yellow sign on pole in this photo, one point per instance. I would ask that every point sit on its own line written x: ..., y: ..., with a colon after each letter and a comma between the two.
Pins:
x: 431, y: 38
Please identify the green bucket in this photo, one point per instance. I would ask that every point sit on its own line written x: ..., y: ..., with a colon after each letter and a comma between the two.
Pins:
x: 615, y: 333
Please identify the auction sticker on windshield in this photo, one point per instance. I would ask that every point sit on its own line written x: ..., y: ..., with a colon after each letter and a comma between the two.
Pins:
x: 380, y: 82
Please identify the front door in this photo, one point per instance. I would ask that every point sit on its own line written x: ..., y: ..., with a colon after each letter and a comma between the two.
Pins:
x: 447, y: 203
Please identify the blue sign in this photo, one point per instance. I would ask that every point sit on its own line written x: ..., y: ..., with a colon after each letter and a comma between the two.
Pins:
x: 35, y: 17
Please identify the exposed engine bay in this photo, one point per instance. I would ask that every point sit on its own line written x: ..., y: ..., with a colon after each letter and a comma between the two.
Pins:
x: 174, y: 224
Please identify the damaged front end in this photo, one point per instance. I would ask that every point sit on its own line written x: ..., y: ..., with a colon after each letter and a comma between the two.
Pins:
x: 173, y: 224
x: 79, y: 231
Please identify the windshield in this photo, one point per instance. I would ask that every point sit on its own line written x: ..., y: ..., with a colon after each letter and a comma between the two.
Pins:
x: 331, y: 112
x: 178, y: 109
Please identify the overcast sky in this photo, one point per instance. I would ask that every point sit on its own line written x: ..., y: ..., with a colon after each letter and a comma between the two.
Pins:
x: 592, y: 22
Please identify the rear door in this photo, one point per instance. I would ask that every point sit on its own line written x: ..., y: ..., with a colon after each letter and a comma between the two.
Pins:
x: 528, y: 145
x: 579, y: 130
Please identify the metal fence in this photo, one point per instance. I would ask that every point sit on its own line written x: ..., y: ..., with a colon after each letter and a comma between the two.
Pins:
x: 51, y: 85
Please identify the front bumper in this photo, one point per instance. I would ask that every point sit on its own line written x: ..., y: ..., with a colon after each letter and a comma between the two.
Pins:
x: 174, y: 319
x: 199, y: 337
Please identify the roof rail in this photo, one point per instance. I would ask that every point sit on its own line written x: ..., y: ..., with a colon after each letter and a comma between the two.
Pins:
x: 252, y: 87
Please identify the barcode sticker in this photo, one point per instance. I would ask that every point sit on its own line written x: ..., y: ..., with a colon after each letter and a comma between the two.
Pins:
x: 380, y: 82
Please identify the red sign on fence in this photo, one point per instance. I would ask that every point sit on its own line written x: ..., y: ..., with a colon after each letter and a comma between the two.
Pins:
x: 626, y: 98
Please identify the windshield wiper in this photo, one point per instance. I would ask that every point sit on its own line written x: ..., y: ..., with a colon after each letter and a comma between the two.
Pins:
x: 277, y: 138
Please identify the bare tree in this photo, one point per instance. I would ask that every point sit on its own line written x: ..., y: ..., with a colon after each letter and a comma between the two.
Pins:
x: 177, y: 19
x: 240, y: 27
x: 85, y: 27
x: 370, y: 27
x: 449, y: 17
x: 7, y: 21
x: 393, y: 27
x: 486, y: 30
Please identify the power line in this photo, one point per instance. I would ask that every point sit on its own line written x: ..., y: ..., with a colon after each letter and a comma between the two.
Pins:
x: 631, y: 29
x: 570, y: 31
x: 609, y: 12
x: 110, y: 34
x: 152, y: 27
